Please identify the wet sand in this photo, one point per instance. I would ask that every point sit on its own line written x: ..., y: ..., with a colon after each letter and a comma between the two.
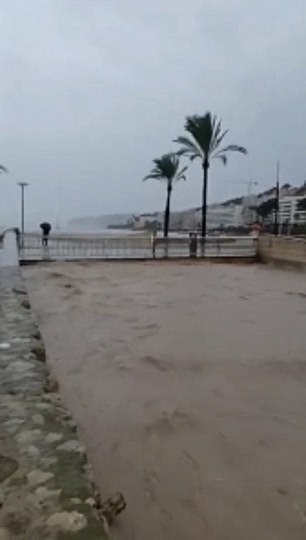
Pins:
x: 188, y: 383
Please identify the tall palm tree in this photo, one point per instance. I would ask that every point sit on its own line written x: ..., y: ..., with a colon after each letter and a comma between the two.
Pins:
x: 167, y: 168
x: 203, y: 141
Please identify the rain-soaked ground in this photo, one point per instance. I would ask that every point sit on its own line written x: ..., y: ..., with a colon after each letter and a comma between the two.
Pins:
x: 189, y: 386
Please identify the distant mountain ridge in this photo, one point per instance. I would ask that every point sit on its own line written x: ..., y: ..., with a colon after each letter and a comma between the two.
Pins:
x: 100, y: 222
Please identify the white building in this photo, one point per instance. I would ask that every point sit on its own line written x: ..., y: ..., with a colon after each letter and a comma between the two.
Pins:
x: 145, y: 220
x: 221, y: 215
x: 288, y: 210
x: 289, y: 198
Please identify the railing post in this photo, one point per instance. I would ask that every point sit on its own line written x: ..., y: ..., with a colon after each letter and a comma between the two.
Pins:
x: 193, y: 245
x: 218, y: 246
x: 166, y: 252
x: 153, y: 242
x: 203, y: 242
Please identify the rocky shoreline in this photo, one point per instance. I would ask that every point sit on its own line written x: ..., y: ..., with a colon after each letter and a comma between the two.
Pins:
x: 45, y: 487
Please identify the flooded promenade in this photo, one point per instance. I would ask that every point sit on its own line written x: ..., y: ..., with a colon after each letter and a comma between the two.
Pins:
x: 188, y: 384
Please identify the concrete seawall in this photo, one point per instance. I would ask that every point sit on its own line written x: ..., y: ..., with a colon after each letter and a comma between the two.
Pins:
x: 283, y: 251
x: 45, y: 489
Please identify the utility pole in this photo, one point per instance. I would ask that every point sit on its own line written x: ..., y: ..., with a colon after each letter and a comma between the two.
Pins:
x: 22, y: 186
x: 276, y: 211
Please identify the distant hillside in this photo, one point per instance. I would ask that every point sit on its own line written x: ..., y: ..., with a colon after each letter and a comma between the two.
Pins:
x: 99, y: 222
x: 185, y: 219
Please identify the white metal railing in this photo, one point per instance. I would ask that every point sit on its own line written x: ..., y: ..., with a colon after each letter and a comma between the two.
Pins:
x: 62, y: 247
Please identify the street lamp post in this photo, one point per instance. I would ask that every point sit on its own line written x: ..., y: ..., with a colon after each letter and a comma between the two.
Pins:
x: 276, y: 209
x: 22, y: 186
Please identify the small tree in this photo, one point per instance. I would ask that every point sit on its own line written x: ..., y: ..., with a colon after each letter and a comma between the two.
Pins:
x: 167, y: 169
x: 266, y: 208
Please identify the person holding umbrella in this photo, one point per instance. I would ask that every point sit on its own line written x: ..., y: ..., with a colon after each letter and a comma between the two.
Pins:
x: 46, y: 229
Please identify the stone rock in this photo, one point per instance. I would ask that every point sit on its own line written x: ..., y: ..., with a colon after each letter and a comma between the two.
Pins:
x: 89, y: 472
x: 72, y: 424
x: 17, y: 521
x: 27, y: 437
x: 54, y: 398
x: 19, y: 366
x: 7, y: 467
x: 40, y: 352
x: 72, y: 446
x: 14, y: 317
x: 38, y: 419
x: 51, y: 385
x: 25, y: 303
x: 75, y: 500
x: 60, y: 409
x: 44, y: 406
x: 2, y: 496
x: 43, y: 495
x: 19, y: 290
x: 112, y: 507
x: 90, y: 501
x: 4, y: 346
x: 36, y: 334
x: 32, y: 451
x: 13, y: 424
x: 48, y: 461
x: 68, y: 521
x: 53, y: 437
x: 20, y: 340
x: 37, y: 477
x: 4, y: 534
x: 15, y: 410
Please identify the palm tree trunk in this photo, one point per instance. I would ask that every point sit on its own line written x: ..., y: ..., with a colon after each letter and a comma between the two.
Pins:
x: 204, y: 202
x: 167, y: 211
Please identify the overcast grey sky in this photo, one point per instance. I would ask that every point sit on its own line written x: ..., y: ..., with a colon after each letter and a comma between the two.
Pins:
x: 93, y: 90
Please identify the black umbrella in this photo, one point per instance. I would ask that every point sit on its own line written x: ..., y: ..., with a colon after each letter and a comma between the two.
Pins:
x: 46, y: 227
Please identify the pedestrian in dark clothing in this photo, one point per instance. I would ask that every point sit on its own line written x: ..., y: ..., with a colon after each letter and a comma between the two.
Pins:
x: 17, y: 232
x: 46, y: 229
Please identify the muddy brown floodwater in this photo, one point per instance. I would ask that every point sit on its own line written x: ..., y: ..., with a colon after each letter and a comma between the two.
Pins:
x: 189, y: 386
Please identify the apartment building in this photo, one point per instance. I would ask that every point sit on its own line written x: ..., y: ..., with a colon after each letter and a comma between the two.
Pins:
x: 289, y: 211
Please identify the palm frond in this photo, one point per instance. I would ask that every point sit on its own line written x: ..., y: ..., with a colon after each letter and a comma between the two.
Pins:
x: 166, y: 168
x: 189, y: 148
x: 221, y: 154
x: 181, y: 174
x: 218, y: 139
x: 222, y: 157
x: 153, y: 176
x: 216, y: 130
x: 195, y: 156
x: 233, y: 148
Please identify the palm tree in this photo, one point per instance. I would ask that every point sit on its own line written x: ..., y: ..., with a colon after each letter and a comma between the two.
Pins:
x: 203, y: 141
x: 167, y: 168
x: 3, y: 169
